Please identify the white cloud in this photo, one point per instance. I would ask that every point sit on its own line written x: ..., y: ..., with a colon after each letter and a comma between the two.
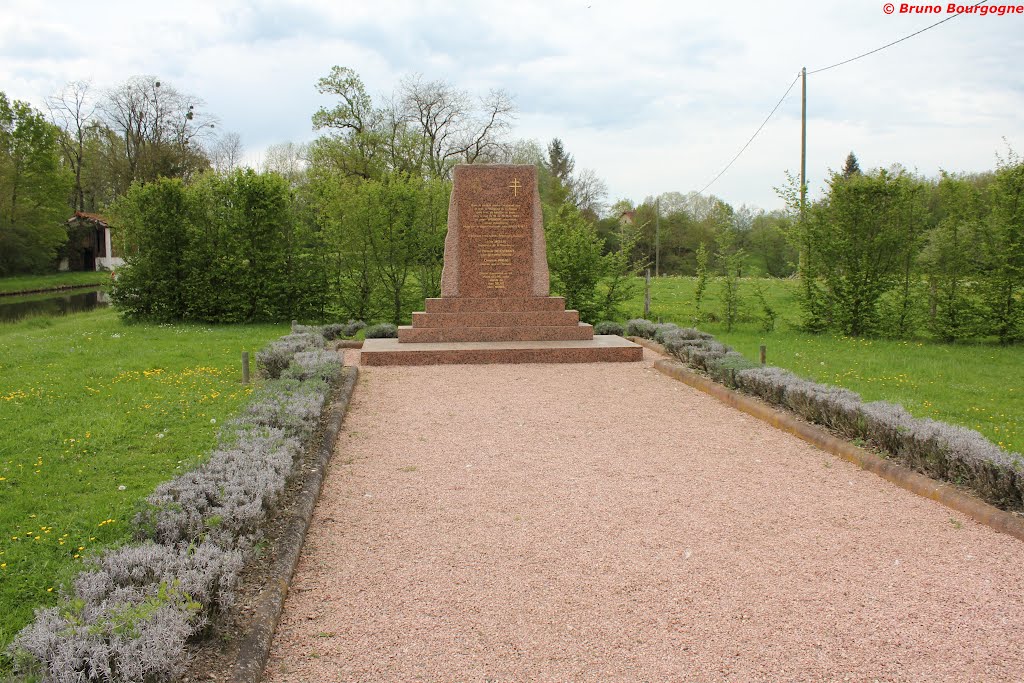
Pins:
x: 654, y: 96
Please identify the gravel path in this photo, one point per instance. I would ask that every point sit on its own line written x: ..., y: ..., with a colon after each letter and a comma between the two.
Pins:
x: 602, y: 522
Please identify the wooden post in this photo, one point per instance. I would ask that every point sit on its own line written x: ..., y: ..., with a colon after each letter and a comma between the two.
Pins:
x: 647, y: 295
x: 764, y: 353
x: 245, y: 367
x: 295, y: 323
x: 803, y: 142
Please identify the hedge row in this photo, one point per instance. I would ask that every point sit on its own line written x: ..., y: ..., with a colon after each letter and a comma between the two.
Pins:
x: 937, y: 449
x: 129, y: 615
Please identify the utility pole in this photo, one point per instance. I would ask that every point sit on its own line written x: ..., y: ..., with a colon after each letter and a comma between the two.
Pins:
x: 803, y: 143
x: 657, y: 235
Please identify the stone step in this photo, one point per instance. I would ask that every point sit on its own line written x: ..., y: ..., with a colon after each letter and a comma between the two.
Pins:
x: 495, y: 304
x: 600, y: 349
x: 496, y: 319
x: 580, y: 331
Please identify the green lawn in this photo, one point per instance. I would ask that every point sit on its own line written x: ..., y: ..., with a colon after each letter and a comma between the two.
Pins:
x: 93, y: 414
x: 33, y: 283
x: 976, y: 385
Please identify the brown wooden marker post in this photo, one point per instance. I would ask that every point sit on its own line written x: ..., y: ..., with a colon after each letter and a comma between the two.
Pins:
x: 245, y: 367
x: 764, y: 353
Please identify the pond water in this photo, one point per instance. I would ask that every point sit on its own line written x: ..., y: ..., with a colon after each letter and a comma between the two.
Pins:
x: 17, y: 307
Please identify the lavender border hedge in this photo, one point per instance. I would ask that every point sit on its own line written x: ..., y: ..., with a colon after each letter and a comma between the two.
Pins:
x: 130, y: 614
x: 938, y: 449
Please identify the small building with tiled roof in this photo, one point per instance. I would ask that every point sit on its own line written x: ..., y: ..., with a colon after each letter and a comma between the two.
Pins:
x: 89, y: 245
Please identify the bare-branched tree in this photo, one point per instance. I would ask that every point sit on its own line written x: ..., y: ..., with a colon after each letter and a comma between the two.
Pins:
x: 160, y: 128
x: 72, y: 110
x: 226, y: 153
x: 424, y: 129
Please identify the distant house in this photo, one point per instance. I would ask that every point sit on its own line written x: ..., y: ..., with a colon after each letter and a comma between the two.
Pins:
x: 89, y: 245
x: 627, y: 217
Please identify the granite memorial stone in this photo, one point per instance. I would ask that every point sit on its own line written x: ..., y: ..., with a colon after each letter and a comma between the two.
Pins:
x: 494, y: 304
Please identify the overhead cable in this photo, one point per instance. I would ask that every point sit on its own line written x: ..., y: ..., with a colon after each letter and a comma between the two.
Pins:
x: 774, y: 109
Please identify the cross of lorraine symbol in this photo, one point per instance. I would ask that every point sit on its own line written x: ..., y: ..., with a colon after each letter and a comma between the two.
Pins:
x: 515, y: 187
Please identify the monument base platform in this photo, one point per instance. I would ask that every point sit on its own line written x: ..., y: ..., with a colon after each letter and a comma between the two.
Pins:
x: 600, y: 349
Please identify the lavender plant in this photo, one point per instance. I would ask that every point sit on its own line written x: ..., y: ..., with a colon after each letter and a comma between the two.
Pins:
x: 276, y: 357
x: 608, y: 327
x: 937, y: 449
x: 638, y: 327
x: 131, y: 612
x: 352, y: 327
x: 660, y: 329
x: 381, y: 331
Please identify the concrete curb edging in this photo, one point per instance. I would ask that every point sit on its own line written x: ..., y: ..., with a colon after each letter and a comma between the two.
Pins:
x: 904, y: 477
x: 255, y: 646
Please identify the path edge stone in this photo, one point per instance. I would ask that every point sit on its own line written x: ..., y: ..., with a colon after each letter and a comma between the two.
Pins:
x: 254, y: 649
x: 904, y: 477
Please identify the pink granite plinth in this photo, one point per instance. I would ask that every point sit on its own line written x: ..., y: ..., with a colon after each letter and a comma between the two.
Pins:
x: 416, y: 335
x: 599, y: 349
x: 497, y: 319
x: 492, y: 304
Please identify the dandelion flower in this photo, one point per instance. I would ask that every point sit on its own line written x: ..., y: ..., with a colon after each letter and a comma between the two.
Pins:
x: 122, y: 487
x: 160, y: 435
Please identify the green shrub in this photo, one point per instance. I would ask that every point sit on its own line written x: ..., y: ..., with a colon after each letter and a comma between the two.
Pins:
x: 222, y: 249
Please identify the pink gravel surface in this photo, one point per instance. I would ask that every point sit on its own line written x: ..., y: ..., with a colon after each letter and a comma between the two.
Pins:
x: 603, y: 522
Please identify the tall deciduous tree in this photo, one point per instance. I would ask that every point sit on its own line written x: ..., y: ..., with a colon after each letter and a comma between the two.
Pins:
x: 424, y: 129
x: 452, y: 126
x: 594, y: 282
x: 1003, y: 289
x: 730, y: 257
x: 34, y: 187
x: 226, y: 153
x: 950, y: 260
x: 857, y: 239
x: 72, y: 110
x: 160, y: 127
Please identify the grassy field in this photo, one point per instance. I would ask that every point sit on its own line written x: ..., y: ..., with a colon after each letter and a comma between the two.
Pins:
x: 975, y: 385
x: 33, y: 283
x: 93, y: 414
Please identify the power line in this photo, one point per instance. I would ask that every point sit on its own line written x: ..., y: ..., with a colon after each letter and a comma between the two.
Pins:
x: 818, y: 71
x: 763, y: 123
x: 879, y: 49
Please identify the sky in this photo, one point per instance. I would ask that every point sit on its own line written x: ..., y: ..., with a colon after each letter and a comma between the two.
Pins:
x: 652, y: 96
